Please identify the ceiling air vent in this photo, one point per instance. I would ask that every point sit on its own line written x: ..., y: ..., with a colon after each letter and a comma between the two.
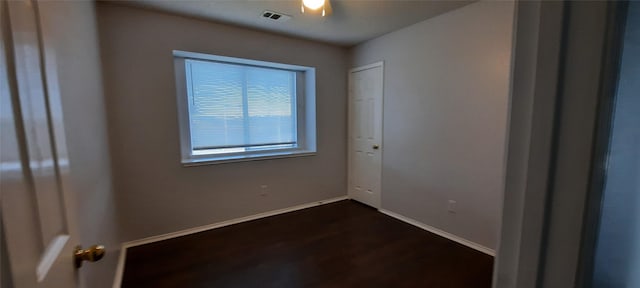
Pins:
x: 275, y: 16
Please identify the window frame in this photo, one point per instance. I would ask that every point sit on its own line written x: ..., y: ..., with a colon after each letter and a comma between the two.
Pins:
x: 305, y: 107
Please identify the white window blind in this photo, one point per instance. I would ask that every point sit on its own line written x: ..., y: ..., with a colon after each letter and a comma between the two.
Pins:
x: 235, y: 108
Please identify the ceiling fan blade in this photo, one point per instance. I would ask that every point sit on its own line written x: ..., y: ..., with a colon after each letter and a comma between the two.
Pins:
x: 328, y: 10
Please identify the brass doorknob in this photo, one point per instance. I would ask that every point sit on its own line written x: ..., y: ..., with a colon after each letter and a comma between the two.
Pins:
x: 93, y: 254
x: 376, y: 147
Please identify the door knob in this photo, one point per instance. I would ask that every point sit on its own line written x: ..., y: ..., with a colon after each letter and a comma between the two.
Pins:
x: 376, y: 147
x: 93, y: 254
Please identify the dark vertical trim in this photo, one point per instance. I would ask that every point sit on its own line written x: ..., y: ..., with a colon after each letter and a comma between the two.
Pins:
x: 611, y: 62
x: 555, y: 138
x: 599, y: 62
x: 5, y: 270
x: 534, y: 87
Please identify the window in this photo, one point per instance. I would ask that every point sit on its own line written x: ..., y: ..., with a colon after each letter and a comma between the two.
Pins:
x: 233, y: 109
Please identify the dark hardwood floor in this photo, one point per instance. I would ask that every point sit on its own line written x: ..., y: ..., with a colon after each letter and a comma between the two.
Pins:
x: 344, y: 244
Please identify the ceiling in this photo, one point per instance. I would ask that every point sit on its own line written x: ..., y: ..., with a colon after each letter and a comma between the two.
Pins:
x: 352, y: 21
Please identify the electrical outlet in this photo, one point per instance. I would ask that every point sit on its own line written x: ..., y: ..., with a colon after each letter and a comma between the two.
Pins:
x: 264, y: 190
x: 451, y: 207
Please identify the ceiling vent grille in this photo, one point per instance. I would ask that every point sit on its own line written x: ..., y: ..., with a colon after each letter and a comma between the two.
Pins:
x: 275, y: 16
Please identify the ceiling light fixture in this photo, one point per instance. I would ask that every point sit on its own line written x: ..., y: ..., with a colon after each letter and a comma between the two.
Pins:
x: 315, y: 5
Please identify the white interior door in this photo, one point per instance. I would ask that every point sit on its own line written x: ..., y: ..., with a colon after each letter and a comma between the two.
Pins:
x: 365, y: 133
x: 33, y: 159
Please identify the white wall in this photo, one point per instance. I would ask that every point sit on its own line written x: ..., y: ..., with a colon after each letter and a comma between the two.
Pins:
x: 445, y: 117
x: 156, y: 194
x: 72, y: 29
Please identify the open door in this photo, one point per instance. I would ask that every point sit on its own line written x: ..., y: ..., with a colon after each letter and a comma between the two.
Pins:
x: 37, y: 217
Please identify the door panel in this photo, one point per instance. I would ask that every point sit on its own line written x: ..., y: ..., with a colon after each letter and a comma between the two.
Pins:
x: 32, y: 107
x: 365, y: 134
x: 39, y: 241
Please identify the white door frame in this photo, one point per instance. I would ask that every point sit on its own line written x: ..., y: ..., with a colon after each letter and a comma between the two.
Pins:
x: 350, y: 122
x: 558, y: 77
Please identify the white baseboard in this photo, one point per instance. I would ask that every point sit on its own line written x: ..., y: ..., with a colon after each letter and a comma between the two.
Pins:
x: 439, y: 232
x: 123, y: 252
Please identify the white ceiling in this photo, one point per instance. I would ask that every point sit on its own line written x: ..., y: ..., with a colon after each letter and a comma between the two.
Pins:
x: 352, y: 21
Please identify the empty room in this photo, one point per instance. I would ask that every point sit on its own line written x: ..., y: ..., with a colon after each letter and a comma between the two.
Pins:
x: 304, y: 143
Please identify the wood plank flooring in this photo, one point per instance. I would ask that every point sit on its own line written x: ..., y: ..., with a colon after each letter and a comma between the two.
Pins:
x: 344, y: 244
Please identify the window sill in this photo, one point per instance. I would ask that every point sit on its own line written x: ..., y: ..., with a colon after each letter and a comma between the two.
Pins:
x: 212, y: 160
